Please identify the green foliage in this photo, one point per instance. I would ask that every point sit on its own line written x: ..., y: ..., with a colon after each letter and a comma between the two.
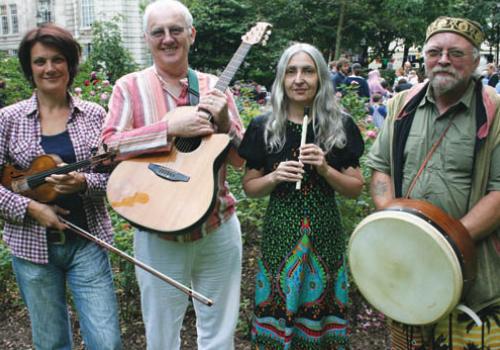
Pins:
x: 92, y: 85
x: 250, y: 210
x: 108, y: 53
x: 126, y: 286
x: 16, y: 88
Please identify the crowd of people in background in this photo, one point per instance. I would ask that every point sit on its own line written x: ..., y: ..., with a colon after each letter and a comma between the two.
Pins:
x: 376, y: 90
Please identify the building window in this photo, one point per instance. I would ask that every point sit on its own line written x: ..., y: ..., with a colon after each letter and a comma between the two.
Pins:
x: 87, y: 13
x: 13, y: 19
x: 44, y: 13
x: 4, y: 19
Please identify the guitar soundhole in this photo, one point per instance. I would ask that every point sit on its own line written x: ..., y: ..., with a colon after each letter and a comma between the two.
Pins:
x: 187, y: 145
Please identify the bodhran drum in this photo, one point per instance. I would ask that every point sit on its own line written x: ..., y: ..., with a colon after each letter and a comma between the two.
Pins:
x: 411, y: 261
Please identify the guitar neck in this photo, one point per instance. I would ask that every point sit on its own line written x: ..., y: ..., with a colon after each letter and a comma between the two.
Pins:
x: 232, y: 67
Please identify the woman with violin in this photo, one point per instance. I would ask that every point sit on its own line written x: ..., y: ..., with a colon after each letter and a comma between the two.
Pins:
x: 46, y: 256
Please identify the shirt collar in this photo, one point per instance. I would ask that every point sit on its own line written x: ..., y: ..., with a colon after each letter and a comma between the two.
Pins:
x: 75, y: 105
x: 465, y: 100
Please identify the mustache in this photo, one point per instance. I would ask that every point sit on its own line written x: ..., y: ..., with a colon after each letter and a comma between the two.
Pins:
x: 448, y: 70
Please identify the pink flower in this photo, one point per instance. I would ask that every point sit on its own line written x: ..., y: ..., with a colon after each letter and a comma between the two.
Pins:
x: 369, y: 119
x: 371, y: 134
x: 104, y: 96
x: 105, y: 83
x: 92, y: 93
x: 78, y: 90
x: 93, y: 75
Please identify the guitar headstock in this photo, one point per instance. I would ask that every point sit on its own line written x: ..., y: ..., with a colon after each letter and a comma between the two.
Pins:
x: 259, y: 33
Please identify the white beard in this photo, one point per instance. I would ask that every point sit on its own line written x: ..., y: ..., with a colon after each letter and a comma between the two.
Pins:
x: 442, y: 84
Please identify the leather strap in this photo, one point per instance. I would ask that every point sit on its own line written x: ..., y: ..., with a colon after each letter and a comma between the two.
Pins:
x: 427, y: 158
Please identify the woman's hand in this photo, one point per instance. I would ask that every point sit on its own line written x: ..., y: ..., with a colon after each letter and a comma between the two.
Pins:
x: 73, y: 182
x: 314, y: 155
x: 288, y: 171
x: 47, y: 215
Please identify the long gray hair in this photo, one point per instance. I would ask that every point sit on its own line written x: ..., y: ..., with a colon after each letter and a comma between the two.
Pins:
x: 326, y: 113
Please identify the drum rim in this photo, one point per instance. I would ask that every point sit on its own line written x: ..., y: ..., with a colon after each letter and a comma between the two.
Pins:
x: 438, y: 234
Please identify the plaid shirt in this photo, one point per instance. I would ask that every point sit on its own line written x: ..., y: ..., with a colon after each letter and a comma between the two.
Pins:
x: 20, y: 144
x: 135, y: 126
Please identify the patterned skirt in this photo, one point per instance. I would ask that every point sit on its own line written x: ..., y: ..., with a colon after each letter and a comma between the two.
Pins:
x: 302, y: 304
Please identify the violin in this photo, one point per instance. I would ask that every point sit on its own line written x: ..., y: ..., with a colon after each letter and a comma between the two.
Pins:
x: 31, y: 182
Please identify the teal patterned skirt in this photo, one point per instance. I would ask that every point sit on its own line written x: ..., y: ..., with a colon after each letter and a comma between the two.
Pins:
x: 301, y: 284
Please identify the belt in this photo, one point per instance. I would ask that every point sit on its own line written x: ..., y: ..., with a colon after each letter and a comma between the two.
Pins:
x: 60, y: 237
x: 56, y: 237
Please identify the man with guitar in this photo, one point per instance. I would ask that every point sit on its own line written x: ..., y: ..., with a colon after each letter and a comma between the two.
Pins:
x: 141, y: 121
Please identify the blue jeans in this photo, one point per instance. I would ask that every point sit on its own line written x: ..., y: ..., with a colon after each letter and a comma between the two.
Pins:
x: 86, y: 269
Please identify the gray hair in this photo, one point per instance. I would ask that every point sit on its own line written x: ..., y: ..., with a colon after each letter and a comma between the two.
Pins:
x: 326, y: 112
x: 162, y: 5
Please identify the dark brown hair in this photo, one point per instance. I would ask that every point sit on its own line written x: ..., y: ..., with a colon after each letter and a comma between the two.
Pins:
x: 54, y: 36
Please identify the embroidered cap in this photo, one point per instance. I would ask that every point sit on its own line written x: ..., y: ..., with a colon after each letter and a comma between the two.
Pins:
x: 471, y: 30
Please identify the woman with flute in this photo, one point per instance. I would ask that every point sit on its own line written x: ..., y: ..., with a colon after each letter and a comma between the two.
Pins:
x: 45, y: 255
x: 301, y: 284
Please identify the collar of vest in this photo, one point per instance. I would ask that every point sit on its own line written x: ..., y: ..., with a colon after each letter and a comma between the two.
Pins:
x: 485, y: 106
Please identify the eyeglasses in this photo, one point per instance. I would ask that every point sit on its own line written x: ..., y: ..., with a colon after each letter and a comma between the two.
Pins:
x: 452, y: 53
x: 159, y: 33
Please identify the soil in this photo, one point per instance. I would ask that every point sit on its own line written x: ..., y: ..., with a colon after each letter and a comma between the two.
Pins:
x: 368, y: 330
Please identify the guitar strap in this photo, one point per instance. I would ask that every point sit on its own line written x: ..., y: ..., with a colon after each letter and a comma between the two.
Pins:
x: 193, y: 88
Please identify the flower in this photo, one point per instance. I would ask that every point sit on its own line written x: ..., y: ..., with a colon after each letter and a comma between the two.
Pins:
x: 78, y: 91
x: 105, y: 83
x: 371, y: 134
x: 369, y: 119
x: 104, y: 96
x: 93, y: 75
x: 92, y: 92
x: 86, y: 82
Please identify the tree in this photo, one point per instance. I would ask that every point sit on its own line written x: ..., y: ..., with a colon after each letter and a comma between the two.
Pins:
x: 107, y: 51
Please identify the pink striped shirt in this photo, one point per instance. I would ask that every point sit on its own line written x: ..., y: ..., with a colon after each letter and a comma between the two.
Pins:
x: 134, y: 126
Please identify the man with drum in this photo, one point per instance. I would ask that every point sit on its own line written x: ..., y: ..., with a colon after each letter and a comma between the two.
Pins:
x: 207, y: 258
x: 441, y: 144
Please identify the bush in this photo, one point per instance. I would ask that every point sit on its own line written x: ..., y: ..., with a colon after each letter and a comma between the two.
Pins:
x: 16, y: 87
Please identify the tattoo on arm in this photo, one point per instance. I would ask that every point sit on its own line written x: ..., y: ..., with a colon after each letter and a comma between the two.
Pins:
x: 380, y: 188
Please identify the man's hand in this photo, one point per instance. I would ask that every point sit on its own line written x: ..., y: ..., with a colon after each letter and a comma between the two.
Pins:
x: 215, y: 102
x: 190, y: 125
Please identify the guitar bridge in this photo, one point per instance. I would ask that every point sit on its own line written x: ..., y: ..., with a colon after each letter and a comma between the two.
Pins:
x: 167, y: 173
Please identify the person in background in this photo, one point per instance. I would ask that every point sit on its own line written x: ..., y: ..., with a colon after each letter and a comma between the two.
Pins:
x: 207, y: 258
x: 357, y: 81
x: 46, y: 257
x: 402, y: 85
x: 377, y: 110
x: 301, y: 296
x: 492, y: 75
x: 460, y: 175
x: 375, y: 83
x: 340, y: 76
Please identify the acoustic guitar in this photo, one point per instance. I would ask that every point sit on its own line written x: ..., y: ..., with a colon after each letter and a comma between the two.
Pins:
x: 175, y: 192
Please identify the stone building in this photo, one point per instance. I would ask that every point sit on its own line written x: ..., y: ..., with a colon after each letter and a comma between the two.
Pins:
x: 17, y: 16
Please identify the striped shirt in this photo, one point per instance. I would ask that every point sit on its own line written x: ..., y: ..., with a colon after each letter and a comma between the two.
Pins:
x: 135, y: 125
x: 20, y: 144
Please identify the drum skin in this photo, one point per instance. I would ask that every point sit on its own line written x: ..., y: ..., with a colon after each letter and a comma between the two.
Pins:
x: 411, y: 261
